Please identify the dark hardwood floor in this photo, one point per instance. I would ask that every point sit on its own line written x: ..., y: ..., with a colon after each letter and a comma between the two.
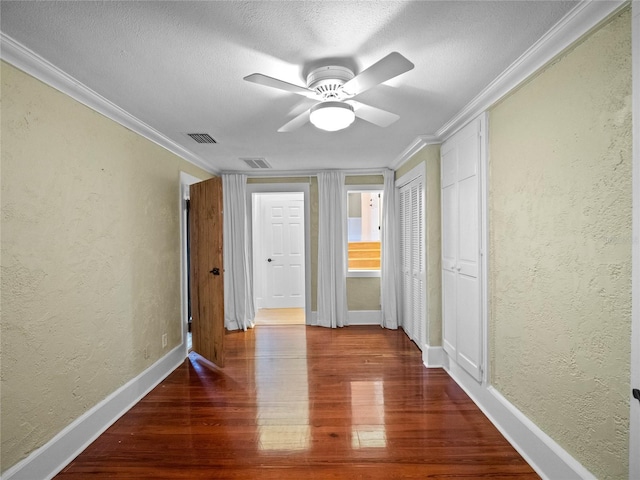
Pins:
x: 296, y: 402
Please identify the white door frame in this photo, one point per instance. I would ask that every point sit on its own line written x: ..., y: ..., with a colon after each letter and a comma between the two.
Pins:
x: 185, y: 181
x: 289, y: 188
x: 634, y: 414
x: 260, y: 250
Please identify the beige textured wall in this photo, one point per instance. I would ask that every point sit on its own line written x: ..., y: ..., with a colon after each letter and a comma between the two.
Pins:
x: 560, y: 248
x: 362, y: 293
x: 430, y: 156
x: 90, y: 259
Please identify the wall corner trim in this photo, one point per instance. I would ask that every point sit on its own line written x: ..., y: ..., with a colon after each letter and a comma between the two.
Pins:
x: 51, y: 458
x: 576, y: 23
x: 434, y: 357
x: 414, y: 147
x: 31, y: 63
x: 545, y: 456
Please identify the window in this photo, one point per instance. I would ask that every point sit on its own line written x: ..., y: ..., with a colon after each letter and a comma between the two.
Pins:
x: 364, y: 221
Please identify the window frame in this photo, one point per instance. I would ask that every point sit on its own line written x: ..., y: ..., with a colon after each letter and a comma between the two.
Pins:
x: 375, y: 187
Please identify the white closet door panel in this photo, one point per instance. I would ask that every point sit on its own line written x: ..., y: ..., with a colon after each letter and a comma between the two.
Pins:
x: 449, y: 312
x: 407, y: 310
x: 469, y: 344
x: 449, y: 227
x: 468, y: 222
x: 468, y: 153
x: 421, y: 325
x: 449, y: 167
x: 415, y: 304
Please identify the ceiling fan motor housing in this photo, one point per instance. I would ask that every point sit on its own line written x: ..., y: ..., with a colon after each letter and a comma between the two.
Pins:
x: 328, y: 81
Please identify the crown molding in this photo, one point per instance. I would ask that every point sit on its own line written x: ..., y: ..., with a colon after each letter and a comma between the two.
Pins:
x: 31, y: 63
x: 414, y: 147
x: 260, y: 173
x: 579, y: 21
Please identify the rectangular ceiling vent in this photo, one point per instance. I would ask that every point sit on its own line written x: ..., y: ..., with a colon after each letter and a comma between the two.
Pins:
x: 256, y: 162
x: 202, y: 137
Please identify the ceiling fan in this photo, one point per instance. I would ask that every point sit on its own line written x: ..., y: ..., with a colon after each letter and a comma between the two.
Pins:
x: 334, y: 87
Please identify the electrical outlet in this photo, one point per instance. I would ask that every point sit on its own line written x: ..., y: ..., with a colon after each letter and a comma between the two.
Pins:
x: 164, y: 340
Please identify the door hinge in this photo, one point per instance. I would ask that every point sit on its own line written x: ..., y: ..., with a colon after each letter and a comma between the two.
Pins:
x: 636, y: 393
x: 187, y: 204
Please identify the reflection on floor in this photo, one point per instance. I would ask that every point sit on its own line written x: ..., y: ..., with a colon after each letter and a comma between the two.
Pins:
x: 296, y: 402
x: 280, y: 316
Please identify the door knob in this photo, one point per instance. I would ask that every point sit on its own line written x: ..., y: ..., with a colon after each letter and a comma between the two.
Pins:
x: 269, y: 260
x: 215, y: 271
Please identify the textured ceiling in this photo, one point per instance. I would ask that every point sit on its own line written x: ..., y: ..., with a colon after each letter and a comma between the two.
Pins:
x: 178, y: 66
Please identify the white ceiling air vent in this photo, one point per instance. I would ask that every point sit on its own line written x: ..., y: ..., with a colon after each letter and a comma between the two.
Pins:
x: 256, y: 162
x: 202, y: 137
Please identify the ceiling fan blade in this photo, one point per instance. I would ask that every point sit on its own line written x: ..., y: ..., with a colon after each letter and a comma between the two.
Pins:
x: 390, y: 66
x: 374, y: 115
x: 261, y: 79
x: 296, y: 122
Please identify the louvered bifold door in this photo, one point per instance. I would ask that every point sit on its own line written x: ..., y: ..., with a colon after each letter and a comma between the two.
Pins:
x: 412, y: 262
x: 405, y: 261
x: 417, y: 263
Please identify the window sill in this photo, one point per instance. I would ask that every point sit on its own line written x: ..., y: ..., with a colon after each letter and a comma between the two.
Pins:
x: 363, y: 273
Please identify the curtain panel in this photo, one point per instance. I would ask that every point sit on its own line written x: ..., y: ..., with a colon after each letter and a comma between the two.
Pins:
x: 390, y: 253
x: 239, y: 311
x: 332, y: 241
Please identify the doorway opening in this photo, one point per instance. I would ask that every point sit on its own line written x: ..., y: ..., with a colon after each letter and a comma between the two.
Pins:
x: 185, y: 181
x: 279, y: 259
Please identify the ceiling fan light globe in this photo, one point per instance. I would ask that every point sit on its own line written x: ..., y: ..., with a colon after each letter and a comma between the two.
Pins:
x: 332, y: 116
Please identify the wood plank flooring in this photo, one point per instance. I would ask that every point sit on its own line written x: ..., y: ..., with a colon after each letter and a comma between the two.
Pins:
x: 280, y: 316
x: 304, y: 402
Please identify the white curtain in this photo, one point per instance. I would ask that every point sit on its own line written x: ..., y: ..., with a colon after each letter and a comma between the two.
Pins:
x: 239, y: 310
x: 389, y: 285
x: 332, y: 240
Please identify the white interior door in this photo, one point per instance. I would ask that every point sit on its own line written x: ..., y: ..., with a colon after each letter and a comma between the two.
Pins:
x: 283, y: 250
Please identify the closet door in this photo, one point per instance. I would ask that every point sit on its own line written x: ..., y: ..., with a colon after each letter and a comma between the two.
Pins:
x: 461, y: 287
x: 469, y: 325
x: 412, y: 263
x: 405, y: 258
x: 417, y: 262
x: 449, y: 201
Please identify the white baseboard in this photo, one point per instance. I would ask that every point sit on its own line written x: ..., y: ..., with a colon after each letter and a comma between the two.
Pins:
x: 355, y: 317
x: 434, y: 357
x: 365, y: 317
x: 52, y: 457
x: 544, y: 455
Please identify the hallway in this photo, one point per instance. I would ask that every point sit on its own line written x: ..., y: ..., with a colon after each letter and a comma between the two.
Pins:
x: 304, y: 402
